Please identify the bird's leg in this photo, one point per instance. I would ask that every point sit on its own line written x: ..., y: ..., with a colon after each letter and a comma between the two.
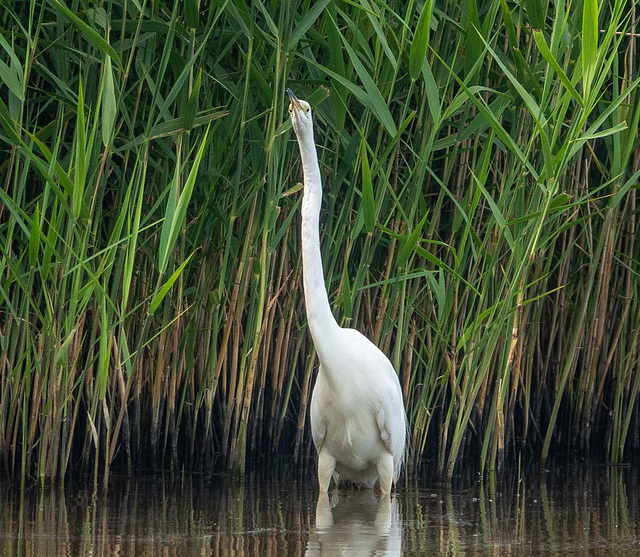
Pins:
x: 336, y: 481
x: 385, y: 472
x: 326, y: 466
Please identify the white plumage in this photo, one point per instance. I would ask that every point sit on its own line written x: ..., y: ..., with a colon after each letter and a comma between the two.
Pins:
x: 358, y: 422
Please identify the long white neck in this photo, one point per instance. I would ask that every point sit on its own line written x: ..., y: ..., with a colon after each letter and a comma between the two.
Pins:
x: 322, y: 324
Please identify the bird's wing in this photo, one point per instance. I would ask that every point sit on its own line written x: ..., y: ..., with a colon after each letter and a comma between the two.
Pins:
x: 318, y: 424
x: 318, y: 433
x: 391, y: 421
x: 385, y: 426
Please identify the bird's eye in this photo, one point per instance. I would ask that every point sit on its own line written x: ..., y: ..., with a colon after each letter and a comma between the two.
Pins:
x: 306, y: 110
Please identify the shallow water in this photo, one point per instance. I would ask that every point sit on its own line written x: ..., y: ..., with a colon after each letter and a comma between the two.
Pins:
x: 572, y: 511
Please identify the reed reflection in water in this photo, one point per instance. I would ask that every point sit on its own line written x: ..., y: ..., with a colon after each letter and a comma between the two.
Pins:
x: 569, y: 511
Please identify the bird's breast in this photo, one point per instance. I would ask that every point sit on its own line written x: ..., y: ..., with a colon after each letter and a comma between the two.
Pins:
x: 352, y: 435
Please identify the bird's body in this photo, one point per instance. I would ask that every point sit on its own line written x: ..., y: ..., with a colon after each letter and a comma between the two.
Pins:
x: 358, y: 422
x: 357, y: 415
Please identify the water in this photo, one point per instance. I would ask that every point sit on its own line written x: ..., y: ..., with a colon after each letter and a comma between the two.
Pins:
x: 572, y: 511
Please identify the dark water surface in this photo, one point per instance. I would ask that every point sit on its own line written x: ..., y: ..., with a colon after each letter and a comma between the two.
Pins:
x: 572, y: 511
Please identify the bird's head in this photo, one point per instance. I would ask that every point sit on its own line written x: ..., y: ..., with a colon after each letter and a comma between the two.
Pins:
x: 300, y: 113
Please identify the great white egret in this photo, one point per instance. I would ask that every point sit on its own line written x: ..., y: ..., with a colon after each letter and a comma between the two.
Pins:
x: 358, y: 422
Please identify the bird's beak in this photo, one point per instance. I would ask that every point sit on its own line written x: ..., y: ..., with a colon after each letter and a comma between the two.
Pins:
x: 294, y: 100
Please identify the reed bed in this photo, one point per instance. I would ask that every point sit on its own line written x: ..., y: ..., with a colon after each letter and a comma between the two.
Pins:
x: 481, y: 164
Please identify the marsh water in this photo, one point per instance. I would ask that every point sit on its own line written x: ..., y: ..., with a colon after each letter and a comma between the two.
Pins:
x: 565, y: 511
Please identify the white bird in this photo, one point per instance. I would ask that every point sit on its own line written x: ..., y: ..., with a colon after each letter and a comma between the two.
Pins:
x: 358, y: 423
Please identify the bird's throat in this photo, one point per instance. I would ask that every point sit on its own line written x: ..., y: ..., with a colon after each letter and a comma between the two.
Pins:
x: 322, y: 324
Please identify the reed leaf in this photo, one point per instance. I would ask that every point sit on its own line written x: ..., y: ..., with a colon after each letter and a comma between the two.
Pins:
x: 479, y: 223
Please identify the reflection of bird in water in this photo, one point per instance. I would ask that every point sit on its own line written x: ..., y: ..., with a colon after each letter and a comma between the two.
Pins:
x: 358, y: 422
x: 357, y: 524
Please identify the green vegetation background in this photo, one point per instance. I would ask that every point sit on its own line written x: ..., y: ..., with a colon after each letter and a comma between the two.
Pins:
x: 480, y: 224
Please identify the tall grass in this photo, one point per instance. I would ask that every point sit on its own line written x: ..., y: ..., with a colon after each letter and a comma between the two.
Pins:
x: 481, y: 166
